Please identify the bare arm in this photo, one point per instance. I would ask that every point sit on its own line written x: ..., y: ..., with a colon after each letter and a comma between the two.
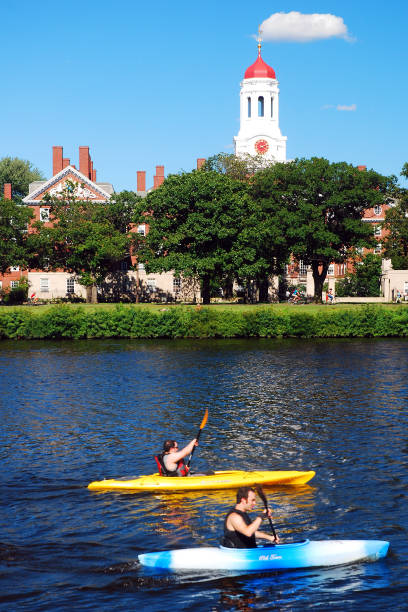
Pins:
x: 171, y: 460
x: 235, y: 522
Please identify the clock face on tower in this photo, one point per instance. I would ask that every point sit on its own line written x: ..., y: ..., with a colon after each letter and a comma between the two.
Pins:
x: 261, y: 146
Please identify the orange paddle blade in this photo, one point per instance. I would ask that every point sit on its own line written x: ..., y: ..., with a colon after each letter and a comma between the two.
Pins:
x: 205, y: 418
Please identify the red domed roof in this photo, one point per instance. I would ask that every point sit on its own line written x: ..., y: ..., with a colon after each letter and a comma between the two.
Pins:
x: 259, y: 70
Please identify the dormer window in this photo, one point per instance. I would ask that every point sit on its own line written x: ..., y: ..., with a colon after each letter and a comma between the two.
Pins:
x: 377, y: 210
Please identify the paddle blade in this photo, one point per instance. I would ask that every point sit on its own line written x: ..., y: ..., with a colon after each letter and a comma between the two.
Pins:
x: 205, y: 418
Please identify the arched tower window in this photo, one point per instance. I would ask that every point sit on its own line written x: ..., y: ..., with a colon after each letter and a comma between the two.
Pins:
x: 271, y: 107
x: 249, y: 106
x: 260, y: 106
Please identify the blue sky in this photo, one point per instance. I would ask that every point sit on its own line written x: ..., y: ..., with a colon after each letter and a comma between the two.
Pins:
x: 157, y: 83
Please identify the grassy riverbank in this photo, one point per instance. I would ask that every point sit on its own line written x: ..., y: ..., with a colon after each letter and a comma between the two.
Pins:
x: 73, y: 321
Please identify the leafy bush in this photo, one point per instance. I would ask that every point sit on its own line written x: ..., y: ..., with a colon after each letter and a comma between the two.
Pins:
x: 127, y: 321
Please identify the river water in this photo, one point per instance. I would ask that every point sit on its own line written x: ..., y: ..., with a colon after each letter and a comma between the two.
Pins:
x: 73, y: 412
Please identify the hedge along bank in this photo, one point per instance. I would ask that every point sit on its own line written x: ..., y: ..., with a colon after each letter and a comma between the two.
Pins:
x: 63, y: 321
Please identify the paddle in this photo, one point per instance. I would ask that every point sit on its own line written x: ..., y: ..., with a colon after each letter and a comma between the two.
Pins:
x: 203, y: 422
x: 265, y: 502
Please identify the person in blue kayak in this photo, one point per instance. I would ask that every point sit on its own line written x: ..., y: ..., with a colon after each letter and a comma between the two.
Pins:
x: 171, y: 461
x: 240, y: 531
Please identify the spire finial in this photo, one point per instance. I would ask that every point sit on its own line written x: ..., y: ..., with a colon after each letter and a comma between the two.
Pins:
x: 259, y: 40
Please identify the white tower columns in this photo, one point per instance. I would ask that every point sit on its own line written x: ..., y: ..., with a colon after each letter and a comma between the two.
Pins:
x: 259, y: 132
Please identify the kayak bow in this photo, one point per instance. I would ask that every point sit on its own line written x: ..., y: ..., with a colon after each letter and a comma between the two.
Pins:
x: 218, y: 480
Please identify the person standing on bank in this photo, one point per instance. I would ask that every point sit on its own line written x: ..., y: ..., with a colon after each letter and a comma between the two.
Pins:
x: 172, y: 459
x: 239, y: 530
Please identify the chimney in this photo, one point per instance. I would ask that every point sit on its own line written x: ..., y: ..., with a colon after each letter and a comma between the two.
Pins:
x: 200, y: 162
x: 362, y: 168
x: 56, y: 160
x: 65, y: 162
x: 84, y: 161
x: 141, y: 180
x: 159, y: 178
x: 7, y: 191
x: 93, y: 177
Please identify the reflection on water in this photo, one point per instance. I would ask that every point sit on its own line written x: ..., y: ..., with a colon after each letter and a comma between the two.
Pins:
x: 73, y: 412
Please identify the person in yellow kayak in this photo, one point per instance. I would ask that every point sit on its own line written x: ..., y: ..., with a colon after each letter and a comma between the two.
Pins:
x: 240, y: 530
x: 171, y: 461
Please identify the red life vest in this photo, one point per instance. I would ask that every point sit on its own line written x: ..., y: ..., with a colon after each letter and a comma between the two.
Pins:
x: 181, y: 470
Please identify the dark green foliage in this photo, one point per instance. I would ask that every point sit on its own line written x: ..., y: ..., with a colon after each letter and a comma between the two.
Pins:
x: 14, y: 239
x: 364, y: 281
x: 130, y: 321
x: 20, y: 173
x: 315, y: 209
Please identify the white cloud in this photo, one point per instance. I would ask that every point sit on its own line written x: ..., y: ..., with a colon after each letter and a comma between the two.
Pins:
x: 340, y: 107
x: 344, y: 107
x: 296, y: 27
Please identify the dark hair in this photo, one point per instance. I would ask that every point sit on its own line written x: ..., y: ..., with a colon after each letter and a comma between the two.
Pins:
x: 243, y: 492
x: 168, y: 445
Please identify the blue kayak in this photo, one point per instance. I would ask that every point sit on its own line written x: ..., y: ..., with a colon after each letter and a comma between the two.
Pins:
x: 280, y: 556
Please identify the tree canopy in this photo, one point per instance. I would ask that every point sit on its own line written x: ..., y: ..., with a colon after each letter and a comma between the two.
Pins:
x: 20, y: 173
x: 88, y: 239
x: 14, y: 238
x: 194, y: 220
x: 364, y: 281
x: 395, y: 243
x: 319, y: 206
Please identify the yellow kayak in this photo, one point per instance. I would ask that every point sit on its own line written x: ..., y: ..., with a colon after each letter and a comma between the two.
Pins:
x: 219, y: 480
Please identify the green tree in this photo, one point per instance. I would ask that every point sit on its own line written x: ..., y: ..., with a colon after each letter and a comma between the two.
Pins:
x: 240, y: 167
x: 320, y: 207
x: 194, y: 219
x: 364, y: 281
x: 14, y: 238
x: 84, y: 238
x: 20, y: 173
x: 395, y: 243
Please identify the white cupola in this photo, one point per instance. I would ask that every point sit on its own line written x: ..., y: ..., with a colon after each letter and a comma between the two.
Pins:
x: 259, y: 132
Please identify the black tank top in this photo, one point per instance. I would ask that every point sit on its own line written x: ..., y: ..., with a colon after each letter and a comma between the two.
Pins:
x: 235, y: 539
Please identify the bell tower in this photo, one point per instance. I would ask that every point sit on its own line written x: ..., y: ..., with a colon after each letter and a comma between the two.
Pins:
x: 259, y: 132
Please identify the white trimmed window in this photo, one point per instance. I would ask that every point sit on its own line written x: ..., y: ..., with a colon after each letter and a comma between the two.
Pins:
x: 44, y: 285
x: 14, y: 268
x: 377, y: 210
x: 330, y: 270
x: 405, y: 286
x: 378, y: 248
x: 14, y: 284
x: 70, y: 285
x: 176, y: 285
x: 44, y: 214
x: 141, y: 229
x: 151, y: 284
x: 302, y: 268
x: 377, y: 230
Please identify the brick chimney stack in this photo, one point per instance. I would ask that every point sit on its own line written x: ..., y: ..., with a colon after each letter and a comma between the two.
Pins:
x: 362, y: 168
x: 65, y: 162
x: 141, y: 180
x: 159, y: 177
x: 200, y: 162
x: 57, y: 163
x: 7, y: 191
x: 85, y: 162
